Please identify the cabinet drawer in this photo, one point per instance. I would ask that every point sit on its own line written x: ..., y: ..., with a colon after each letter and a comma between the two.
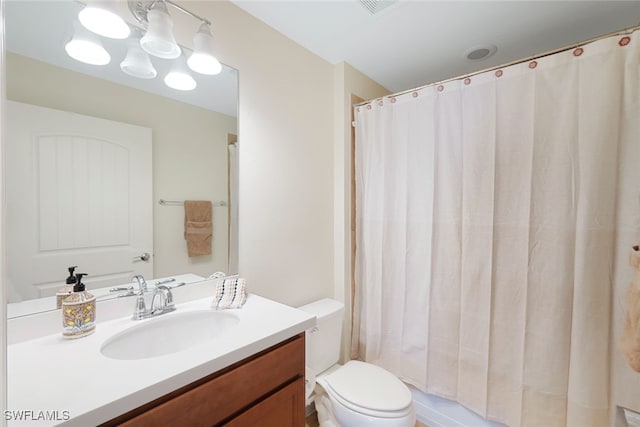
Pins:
x: 230, y: 392
x: 285, y: 408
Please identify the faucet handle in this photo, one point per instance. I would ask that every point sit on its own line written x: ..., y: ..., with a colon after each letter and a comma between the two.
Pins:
x: 168, y: 295
x: 141, y: 308
x: 142, y: 284
x: 169, y: 300
x: 163, y: 305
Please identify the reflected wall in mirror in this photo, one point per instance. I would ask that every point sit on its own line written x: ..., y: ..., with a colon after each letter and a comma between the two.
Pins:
x: 77, y: 194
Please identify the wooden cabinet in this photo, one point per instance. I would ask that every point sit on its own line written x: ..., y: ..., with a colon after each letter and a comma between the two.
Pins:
x: 284, y: 408
x: 266, y: 389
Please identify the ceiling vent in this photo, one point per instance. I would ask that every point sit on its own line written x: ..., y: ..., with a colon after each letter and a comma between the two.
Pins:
x: 376, y: 6
x: 480, y: 52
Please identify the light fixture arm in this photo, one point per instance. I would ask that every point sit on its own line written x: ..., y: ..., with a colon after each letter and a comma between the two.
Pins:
x: 188, y: 12
x: 140, y: 8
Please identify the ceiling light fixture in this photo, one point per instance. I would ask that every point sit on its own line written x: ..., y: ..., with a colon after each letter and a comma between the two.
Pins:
x: 137, y: 62
x: 100, y: 17
x: 179, y: 78
x: 86, y: 47
x: 159, y: 40
x: 155, y: 15
x: 202, y: 60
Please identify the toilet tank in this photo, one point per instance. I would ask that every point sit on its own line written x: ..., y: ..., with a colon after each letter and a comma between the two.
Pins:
x: 322, y: 343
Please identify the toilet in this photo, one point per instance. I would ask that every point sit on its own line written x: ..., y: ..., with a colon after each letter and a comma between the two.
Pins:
x: 355, y: 394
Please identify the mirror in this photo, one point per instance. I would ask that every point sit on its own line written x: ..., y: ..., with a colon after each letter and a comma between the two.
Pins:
x: 192, y: 155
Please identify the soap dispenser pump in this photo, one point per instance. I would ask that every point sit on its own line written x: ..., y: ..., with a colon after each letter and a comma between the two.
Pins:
x: 78, y: 311
x: 66, y: 290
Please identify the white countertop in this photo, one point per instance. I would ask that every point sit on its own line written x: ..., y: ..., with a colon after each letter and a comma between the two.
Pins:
x: 38, y: 305
x: 71, y: 378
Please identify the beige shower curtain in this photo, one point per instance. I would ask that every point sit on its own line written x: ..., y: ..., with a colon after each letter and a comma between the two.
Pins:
x: 490, y: 211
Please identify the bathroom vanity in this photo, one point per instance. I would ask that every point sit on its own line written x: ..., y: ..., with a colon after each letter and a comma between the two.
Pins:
x: 250, y: 369
x: 265, y: 389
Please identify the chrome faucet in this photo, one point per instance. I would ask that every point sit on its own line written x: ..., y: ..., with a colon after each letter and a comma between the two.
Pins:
x: 142, y: 284
x: 166, y: 300
x: 162, y: 292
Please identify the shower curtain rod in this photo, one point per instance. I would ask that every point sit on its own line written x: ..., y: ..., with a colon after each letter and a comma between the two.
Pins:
x: 623, y: 31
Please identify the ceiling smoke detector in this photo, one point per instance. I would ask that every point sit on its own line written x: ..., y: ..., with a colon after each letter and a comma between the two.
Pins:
x: 481, y: 52
x: 376, y: 6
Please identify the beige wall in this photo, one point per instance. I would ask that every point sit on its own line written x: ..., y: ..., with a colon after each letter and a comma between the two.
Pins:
x: 286, y: 155
x: 189, y: 150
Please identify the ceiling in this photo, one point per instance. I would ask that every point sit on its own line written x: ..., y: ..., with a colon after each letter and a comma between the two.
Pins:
x: 412, y: 43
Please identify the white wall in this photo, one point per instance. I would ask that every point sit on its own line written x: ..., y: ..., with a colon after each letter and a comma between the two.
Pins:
x: 189, y: 150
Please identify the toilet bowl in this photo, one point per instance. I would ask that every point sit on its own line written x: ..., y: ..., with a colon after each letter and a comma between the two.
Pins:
x: 357, y: 393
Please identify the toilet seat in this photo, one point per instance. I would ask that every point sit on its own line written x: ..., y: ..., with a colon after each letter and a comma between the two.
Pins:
x: 368, y: 389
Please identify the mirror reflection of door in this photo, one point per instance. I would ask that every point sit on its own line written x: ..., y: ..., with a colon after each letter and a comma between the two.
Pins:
x: 87, y: 201
x: 232, y: 196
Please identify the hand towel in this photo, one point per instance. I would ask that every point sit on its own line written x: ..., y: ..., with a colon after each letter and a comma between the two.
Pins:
x: 630, y: 339
x: 230, y: 293
x: 198, y: 228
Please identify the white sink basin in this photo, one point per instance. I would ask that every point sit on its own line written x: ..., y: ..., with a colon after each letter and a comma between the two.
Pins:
x: 168, y: 334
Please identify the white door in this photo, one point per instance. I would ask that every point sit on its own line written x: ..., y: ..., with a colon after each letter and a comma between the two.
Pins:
x: 79, y: 192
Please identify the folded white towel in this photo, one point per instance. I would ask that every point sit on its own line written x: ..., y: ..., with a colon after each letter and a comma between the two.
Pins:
x: 230, y: 293
x: 218, y: 275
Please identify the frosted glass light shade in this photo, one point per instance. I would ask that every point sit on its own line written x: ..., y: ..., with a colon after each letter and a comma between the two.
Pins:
x: 137, y: 62
x: 203, y: 60
x: 180, y: 80
x: 179, y: 77
x: 159, y: 40
x: 85, y: 47
x: 101, y: 18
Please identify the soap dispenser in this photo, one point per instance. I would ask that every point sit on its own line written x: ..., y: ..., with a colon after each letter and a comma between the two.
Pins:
x: 66, y: 290
x: 78, y: 311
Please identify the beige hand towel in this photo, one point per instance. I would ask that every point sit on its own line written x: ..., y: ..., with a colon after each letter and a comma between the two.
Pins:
x: 630, y: 339
x: 198, y: 228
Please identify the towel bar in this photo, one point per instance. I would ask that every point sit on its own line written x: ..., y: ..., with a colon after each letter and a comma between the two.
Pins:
x: 164, y: 202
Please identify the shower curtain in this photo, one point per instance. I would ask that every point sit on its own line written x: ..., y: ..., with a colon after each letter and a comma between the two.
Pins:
x: 490, y: 215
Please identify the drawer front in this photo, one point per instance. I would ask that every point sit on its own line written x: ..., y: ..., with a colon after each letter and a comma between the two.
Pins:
x: 232, y: 392
x: 285, y: 408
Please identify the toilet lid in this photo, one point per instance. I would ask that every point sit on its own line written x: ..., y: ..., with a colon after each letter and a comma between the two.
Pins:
x: 369, y: 386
